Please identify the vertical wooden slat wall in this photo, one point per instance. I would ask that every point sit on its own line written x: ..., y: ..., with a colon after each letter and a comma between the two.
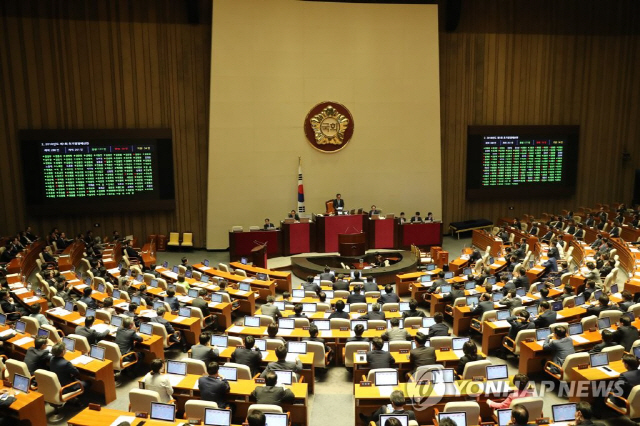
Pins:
x: 106, y: 64
x: 543, y: 62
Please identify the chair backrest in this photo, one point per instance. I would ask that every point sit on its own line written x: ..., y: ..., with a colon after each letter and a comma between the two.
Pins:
x: 569, y: 301
x: 180, y: 289
x: 273, y: 344
x: 355, y: 307
x: 336, y: 323
x: 112, y: 353
x: 351, y: 348
x: 373, y: 293
x: 397, y: 345
x: 233, y: 341
x: 533, y: 405
x: 613, y: 315
x: 372, y: 324
x: 373, y: 371
x: 57, y: 301
x: 148, y: 278
x: 311, y: 294
x: 411, y: 321
x: 472, y: 409
x: 390, y: 306
x: 197, y: 275
x: 82, y: 307
x: 194, y: 408
x: 265, y: 408
x: 54, y: 336
x: 318, y: 351
x: 195, y: 366
x: 187, y: 239
x: 326, y: 283
x: 341, y: 294
x: 103, y: 315
x: 14, y: 367
x: 589, y: 322
x: 323, y: 307
x: 439, y: 342
x: 460, y: 301
x: 424, y: 371
x: 521, y: 337
x: 49, y: 386
x: 160, y: 330
x: 240, y: 272
x: 635, y: 309
x: 558, y: 324
x: 82, y: 344
x: 223, y: 267
x: 475, y: 368
x: 32, y: 325
x: 244, y: 372
x: 634, y: 402
x: 174, y: 238
x: 615, y: 352
x: 265, y: 320
x: 301, y: 322
x: 140, y: 400
x: 572, y: 361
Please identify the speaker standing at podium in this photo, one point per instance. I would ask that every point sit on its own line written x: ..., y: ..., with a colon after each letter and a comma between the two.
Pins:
x: 338, y: 203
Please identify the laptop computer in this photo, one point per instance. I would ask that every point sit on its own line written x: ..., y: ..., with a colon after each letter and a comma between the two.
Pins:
x: 491, y: 280
x: 284, y: 377
x: 43, y: 333
x: 428, y: 322
x: 69, y: 344
x: 97, y: 352
x: 459, y: 418
x: 329, y: 294
x: 309, y: 307
x: 322, y: 324
x: 116, y: 294
x: 158, y: 304
x: 575, y: 329
x: 425, y: 278
x: 400, y: 324
x: 355, y: 322
x: 154, y: 283
x: 175, y: 269
x: 504, y: 417
x: 160, y: 411
x: 470, y: 285
x: 262, y: 277
x: 251, y: 321
x: 402, y: 418
x: 21, y: 326
x: 604, y: 323
x: 636, y: 351
x: 599, y: 360
x: 497, y: 372
x: 557, y: 306
x: 542, y: 333
x: 184, y: 312
x: 579, y: 300
x: 216, y: 298
x: 563, y: 412
x: 188, y: 273
x: 276, y: 419
x: 444, y: 289
x: 229, y: 373
x: 298, y: 293
x: 204, y: 278
x: 287, y: 323
x: 220, y: 341
x: 385, y: 378
x: 116, y: 321
x: 205, y: 262
x: 146, y: 329
x: 217, y: 417
x: 296, y: 347
x: 244, y: 287
x: 261, y: 344
x: 472, y: 300
x: 496, y: 297
x: 177, y: 367
x: 21, y: 383
x: 502, y: 315
x: 100, y: 288
x: 193, y: 292
x: 533, y: 311
x: 431, y: 267
x: 456, y: 345
x: 467, y: 271
x: 404, y: 306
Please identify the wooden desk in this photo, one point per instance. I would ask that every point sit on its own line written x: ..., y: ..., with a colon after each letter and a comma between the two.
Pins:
x: 328, y: 228
x: 483, y: 239
x: 382, y: 233
x: 282, y: 279
x: 262, y: 288
x: 419, y: 234
x: 25, y: 262
x: 71, y: 256
x: 28, y: 408
x: 595, y: 375
x: 404, y: 281
x: 107, y: 416
x: 298, y: 238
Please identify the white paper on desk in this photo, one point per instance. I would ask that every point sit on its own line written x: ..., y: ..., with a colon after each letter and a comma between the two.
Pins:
x: 120, y: 419
x: 285, y: 332
x: 15, y: 285
x: 78, y: 321
x: 123, y: 305
x: 205, y: 268
x: 264, y: 354
x: 292, y: 357
x: 296, y: 299
x: 20, y: 291
x: 241, y: 292
x: 100, y: 328
x: 23, y: 341
x: 618, y: 295
x: 459, y: 353
x: 113, y: 270
x: 196, y: 385
x: 611, y: 373
x: 81, y: 286
x: 171, y: 275
x: 472, y: 292
x: 179, y: 319
x: 185, y: 299
x: 424, y: 330
x: 235, y: 329
x: 502, y: 324
x: 248, y: 280
x: 526, y: 299
x: 148, y: 313
x: 325, y: 333
x: 559, y: 316
x: 174, y: 379
x: 385, y: 390
x: 7, y: 332
x: 30, y: 299
x: 82, y: 359
x: 579, y: 339
x: 465, y: 257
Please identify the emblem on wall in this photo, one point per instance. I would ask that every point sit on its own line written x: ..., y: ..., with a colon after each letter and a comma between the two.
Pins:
x: 329, y: 126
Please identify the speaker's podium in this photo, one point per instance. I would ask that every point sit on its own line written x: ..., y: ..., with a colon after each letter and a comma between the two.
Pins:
x: 352, y: 244
x: 259, y: 256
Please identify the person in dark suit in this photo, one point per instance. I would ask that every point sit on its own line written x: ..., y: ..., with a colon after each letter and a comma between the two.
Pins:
x: 247, y: 356
x: 396, y: 333
x: 388, y: 296
x: 174, y: 336
x: 559, y: 345
x: 456, y: 292
x: 413, y: 310
x: 37, y: 356
x: 374, y: 314
x: 511, y: 301
x: 67, y: 373
x: 358, y: 330
x: 374, y: 210
x: 369, y: 285
x: 439, y: 328
x: 270, y: 308
x: 470, y: 354
x: 282, y: 363
x: 435, y: 285
x: 630, y: 378
x: 199, y: 302
x: 270, y: 393
x: 339, y: 312
x: 172, y: 300
x: 313, y: 337
x: 607, y: 342
x: 326, y: 275
x: 627, y: 301
x: 93, y: 337
x: 87, y: 300
x: 293, y: 215
x: 309, y: 285
x: 397, y: 407
x: 584, y: 414
x: 546, y: 317
x: 521, y: 280
x: 338, y: 203
x: 341, y: 283
x: 416, y: 218
x: 132, y: 253
x: 626, y: 334
x: 203, y: 351
x: 13, y: 311
x: 421, y: 355
x: 126, y: 337
x: 356, y: 296
x: 213, y: 387
x: 590, y: 220
x: 376, y: 357
x: 603, y: 305
x: 580, y: 232
x: 485, y: 305
x: 518, y: 323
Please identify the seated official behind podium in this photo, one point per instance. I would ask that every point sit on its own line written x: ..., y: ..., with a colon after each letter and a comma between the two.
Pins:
x: 268, y: 226
x: 402, y: 218
x: 338, y: 203
x: 374, y: 210
x: 416, y: 218
x: 429, y: 217
x: 293, y: 215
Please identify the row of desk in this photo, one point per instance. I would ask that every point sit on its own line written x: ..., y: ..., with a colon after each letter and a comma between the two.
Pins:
x: 322, y: 236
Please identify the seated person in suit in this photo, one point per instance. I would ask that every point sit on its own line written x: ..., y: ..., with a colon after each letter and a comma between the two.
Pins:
x: 511, y: 301
x: 521, y: 382
x: 580, y: 232
x: 338, y: 203
x: 293, y: 215
x: 92, y: 336
x: 326, y: 275
x: 603, y: 305
x: 247, y: 355
x: 270, y: 393
x: 35, y: 313
x: 339, y: 312
x: 607, y: 342
x: 126, y: 337
x: 627, y: 301
x: 388, y: 296
x: 67, y: 373
x: 380, y: 261
x: 369, y: 285
x: 457, y: 292
x: 470, y: 354
x: 270, y: 308
x: 272, y: 332
x: 518, y: 323
x: 421, y: 354
x: 374, y: 210
x: 630, y: 378
x: 174, y: 336
x: 172, y: 300
x: 413, y: 310
x: 203, y: 350
x: 559, y: 345
x: 358, y: 330
x: 429, y: 217
x: 616, y: 230
x: 37, y: 356
x: 519, y: 415
x: 584, y: 414
x: 214, y: 387
x: 416, y: 218
x: 374, y: 314
x: 485, y: 305
x: 131, y: 313
x: 87, y: 300
x: 313, y: 337
x: 256, y: 418
x: 546, y: 317
x: 402, y: 218
x: 12, y: 310
x: 439, y: 328
x: 107, y: 306
x: 521, y: 280
x: 435, y: 285
x: 626, y: 333
x: 268, y: 225
x: 282, y: 363
x: 397, y: 407
x: 567, y: 292
x: 309, y: 285
x: 142, y: 293
x: 589, y: 289
x: 356, y: 296
x: 376, y: 357
x: 156, y: 381
x: 297, y: 311
x: 200, y: 303
x: 396, y: 333
x: 341, y: 283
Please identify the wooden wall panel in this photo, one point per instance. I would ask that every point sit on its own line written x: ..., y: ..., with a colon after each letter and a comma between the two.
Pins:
x: 518, y: 62
x: 106, y: 64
